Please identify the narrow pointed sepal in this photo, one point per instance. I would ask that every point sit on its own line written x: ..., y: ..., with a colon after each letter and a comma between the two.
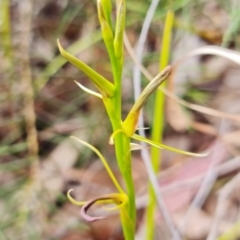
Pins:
x: 87, y: 90
x: 106, y: 88
x: 104, y: 162
x: 130, y: 123
x: 136, y: 147
x: 162, y: 146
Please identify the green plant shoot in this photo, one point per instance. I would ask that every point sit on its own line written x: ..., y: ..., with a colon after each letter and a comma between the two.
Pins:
x: 123, y: 131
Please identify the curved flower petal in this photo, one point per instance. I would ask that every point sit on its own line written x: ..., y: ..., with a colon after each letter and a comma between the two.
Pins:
x: 73, y: 201
x: 162, y: 146
x: 118, y: 198
x: 81, y: 203
x: 103, y: 161
x: 111, y: 139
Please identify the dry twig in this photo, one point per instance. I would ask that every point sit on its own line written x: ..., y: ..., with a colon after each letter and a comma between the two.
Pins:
x: 23, y: 47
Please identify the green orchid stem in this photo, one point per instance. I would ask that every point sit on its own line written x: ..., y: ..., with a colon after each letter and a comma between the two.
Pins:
x: 114, y: 108
x: 127, y: 225
x: 158, y: 124
x: 129, y: 218
x: 122, y: 148
x: 128, y: 177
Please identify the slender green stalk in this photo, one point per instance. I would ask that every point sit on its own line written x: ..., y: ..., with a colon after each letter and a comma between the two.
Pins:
x: 122, y: 148
x: 128, y: 177
x: 114, y: 46
x: 158, y: 124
